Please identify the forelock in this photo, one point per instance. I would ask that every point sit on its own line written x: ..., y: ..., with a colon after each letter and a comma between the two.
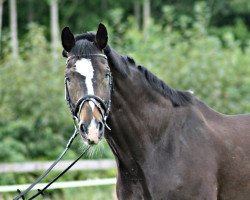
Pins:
x: 90, y: 36
x: 83, y: 45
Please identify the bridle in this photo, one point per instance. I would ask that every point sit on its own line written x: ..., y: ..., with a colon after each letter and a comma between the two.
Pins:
x: 103, y: 108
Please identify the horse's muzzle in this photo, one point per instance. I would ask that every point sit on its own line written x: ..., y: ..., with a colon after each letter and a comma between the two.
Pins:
x: 93, y: 132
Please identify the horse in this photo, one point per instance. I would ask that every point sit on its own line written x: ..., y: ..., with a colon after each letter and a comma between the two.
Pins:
x: 166, y: 142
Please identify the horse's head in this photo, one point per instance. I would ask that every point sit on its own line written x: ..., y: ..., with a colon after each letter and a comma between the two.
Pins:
x: 88, y: 81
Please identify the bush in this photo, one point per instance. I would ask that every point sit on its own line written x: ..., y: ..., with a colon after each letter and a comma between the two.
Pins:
x: 217, y: 71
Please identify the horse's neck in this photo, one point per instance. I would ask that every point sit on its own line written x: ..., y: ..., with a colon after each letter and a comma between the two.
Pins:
x: 135, y: 114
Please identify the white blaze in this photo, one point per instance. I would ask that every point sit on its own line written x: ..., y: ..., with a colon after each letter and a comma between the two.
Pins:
x: 85, y: 68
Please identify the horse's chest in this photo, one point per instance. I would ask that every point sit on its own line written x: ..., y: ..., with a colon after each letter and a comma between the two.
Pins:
x: 130, y: 189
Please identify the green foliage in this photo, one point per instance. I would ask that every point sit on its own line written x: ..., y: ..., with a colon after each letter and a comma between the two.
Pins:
x: 88, y: 193
x: 218, y: 71
x: 184, y: 47
x: 239, y: 31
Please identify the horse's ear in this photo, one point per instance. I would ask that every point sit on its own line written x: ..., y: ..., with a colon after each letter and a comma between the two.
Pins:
x: 68, y: 39
x: 101, y: 36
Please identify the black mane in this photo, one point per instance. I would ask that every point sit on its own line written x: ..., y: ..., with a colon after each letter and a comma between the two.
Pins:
x: 177, y: 97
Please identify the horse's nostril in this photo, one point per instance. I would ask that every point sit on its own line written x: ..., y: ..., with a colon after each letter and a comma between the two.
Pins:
x: 91, y: 142
x: 100, y: 127
x: 83, y: 127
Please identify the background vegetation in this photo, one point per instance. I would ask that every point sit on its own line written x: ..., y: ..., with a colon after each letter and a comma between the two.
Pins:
x: 191, y: 44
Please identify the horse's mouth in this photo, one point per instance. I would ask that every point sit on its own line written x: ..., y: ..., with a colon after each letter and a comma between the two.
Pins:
x: 92, y: 143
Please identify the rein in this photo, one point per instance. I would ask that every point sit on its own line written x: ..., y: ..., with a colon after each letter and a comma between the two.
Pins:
x: 41, y: 192
x: 104, y: 110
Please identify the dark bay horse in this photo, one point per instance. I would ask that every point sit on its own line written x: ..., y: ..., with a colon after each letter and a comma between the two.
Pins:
x: 167, y: 143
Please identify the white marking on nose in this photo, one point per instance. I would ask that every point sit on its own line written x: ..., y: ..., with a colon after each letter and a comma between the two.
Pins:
x: 93, y: 123
x: 93, y: 132
x: 85, y: 68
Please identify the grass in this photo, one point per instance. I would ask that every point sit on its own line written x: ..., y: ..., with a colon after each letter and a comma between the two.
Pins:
x: 84, y: 193
x: 88, y: 193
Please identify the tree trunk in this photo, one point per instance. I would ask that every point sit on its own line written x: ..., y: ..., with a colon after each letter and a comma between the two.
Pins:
x: 31, y: 11
x: 104, y: 5
x: 146, y: 14
x: 1, y: 22
x: 54, y: 27
x: 137, y: 14
x: 13, y: 28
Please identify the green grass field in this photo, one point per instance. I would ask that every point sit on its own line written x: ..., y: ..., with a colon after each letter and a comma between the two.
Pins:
x: 84, y: 193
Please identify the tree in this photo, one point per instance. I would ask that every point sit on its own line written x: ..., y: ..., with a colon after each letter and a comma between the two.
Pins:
x: 13, y: 27
x: 30, y: 11
x: 137, y: 13
x: 146, y: 13
x: 54, y: 24
x: 1, y: 17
